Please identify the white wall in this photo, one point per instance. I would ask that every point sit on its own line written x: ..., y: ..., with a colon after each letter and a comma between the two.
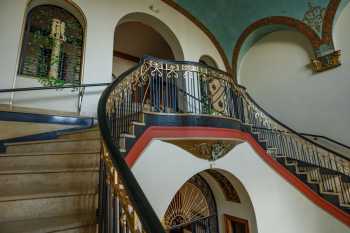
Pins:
x: 243, y: 210
x: 279, y: 207
x: 276, y: 74
x: 102, y: 17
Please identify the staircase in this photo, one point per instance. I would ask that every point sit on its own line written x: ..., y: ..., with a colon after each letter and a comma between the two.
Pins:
x: 321, y: 173
x: 331, y: 185
x: 50, y: 186
x: 184, y: 94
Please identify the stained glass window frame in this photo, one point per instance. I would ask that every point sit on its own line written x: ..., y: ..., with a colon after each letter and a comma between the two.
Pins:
x: 75, y: 76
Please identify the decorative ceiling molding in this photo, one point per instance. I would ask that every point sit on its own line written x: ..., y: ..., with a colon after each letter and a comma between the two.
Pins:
x: 328, y: 21
x: 225, y: 185
x: 314, y: 17
x: 208, y: 149
x: 202, y: 27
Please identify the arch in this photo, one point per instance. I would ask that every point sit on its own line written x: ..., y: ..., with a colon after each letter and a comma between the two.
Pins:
x: 158, y: 26
x: 271, y: 57
x: 193, y: 203
x: 322, y: 45
x: 243, y: 209
x: 329, y: 19
x: 68, y: 5
x: 342, y: 6
x: 127, y: 40
x: 204, y: 182
x: 264, y: 26
x: 227, y: 188
x: 208, y: 60
x: 53, y: 30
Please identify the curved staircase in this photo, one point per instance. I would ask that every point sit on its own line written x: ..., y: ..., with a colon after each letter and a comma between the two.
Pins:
x: 176, y: 93
x: 50, y: 186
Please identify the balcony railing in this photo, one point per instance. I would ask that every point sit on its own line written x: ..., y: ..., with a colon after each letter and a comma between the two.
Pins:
x: 176, y: 87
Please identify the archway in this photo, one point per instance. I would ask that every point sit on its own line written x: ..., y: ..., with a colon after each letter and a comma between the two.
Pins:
x: 212, y: 201
x: 139, y: 34
x: 192, y: 209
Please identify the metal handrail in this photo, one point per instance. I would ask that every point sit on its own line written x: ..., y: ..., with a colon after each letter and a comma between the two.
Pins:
x: 326, y: 138
x: 319, y: 145
x: 53, y: 87
x: 81, y: 88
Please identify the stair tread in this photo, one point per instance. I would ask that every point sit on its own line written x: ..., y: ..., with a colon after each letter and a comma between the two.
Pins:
x: 46, y: 225
x: 4, y: 155
x: 42, y: 193
x: 77, y: 131
x: 46, y: 192
x: 37, y: 185
x: 53, y: 170
x: 55, y: 145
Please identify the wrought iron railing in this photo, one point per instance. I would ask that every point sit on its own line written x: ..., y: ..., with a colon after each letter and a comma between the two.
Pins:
x: 176, y: 87
x: 201, y: 225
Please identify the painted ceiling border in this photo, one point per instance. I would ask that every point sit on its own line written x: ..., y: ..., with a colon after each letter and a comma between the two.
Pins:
x: 202, y: 27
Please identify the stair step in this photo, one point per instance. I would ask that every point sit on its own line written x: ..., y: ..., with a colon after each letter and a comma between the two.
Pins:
x: 46, y: 207
x: 54, y: 146
x: 29, y: 163
x: 63, y: 224
x: 91, y: 133
x: 24, y: 186
x: 41, y: 193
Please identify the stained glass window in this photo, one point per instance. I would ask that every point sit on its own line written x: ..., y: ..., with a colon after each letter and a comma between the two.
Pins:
x: 52, y: 46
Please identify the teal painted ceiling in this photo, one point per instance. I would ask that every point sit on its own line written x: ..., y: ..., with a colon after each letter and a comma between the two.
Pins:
x: 227, y: 19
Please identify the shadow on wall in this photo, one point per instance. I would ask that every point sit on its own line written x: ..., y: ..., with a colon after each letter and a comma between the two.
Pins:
x: 139, y: 34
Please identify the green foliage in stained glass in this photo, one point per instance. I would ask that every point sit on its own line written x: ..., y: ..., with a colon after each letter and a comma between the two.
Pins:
x: 41, y: 45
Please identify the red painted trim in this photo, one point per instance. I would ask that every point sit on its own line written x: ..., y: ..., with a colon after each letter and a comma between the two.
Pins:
x: 160, y: 132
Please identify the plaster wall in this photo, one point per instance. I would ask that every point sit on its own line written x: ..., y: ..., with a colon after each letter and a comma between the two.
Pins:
x: 243, y: 210
x: 279, y: 207
x: 276, y: 73
x: 101, y: 18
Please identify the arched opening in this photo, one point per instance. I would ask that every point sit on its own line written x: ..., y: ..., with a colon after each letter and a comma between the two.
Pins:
x: 211, y: 201
x: 209, y: 61
x: 264, y: 26
x: 139, y: 34
x: 53, y: 42
x: 192, y: 209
